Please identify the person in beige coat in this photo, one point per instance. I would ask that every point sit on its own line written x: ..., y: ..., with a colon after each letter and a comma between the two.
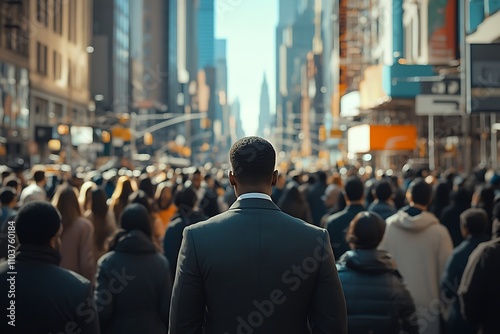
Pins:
x: 420, y: 246
x: 77, y: 240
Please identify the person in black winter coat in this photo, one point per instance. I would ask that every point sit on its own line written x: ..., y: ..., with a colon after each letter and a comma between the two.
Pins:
x: 450, y: 216
x: 338, y: 223
x: 474, y: 222
x: 479, y: 289
x: 42, y: 297
x: 382, y: 205
x: 376, y: 297
x: 185, y: 201
x: 134, y: 284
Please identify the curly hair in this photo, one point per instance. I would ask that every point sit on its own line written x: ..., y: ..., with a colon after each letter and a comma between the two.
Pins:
x: 253, y: 160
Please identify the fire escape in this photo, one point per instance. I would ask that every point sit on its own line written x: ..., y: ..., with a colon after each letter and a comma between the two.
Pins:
x: 14, y: 26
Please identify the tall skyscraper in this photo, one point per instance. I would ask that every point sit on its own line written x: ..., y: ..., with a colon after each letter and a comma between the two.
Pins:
x: 265, y: 110
x: 59, y: 74
x: 206, y: 33
x: 14, y: 81
x: 110, y: 61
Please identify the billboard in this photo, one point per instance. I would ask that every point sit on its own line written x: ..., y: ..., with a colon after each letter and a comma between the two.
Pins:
x: 484, y: 78
x: 442, y: 31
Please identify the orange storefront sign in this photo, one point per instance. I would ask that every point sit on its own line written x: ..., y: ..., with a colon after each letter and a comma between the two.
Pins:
x: 365, y: 138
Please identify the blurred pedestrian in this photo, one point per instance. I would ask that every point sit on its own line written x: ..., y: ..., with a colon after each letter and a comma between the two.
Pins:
x: 119, y: 200
x: 77, y: 239
x: 338, y: 223
x: 36, y: 190
x: 420, y: 246
x: 278, y: 189
x: 292, y: 202
x: 440, y: 198
x: 84, y: 197
x: 382, y: 205
x: 164, y: 198
x: 48, y: 298
x: 186, y: 215
x: 8, y: 213
x: 483, y: 198
x: 450, y: 216
x: 103, y: 221
x: 133, y: 280
x: 316, y: 205
x: 376, y: 297
x: 473, y: 224
x: 140, y: 197
x: 479, y: 291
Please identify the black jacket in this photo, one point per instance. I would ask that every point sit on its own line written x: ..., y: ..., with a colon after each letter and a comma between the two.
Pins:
x: 133, y: 287
x: 377, y: 300
x: 316, y: 204
x: 337, y: 225
x: 450, y: 217
x: 450, y: 283
x: 48, y: 298
x: 254, y: 269
x: 479, y: 288
x: 173, y: 235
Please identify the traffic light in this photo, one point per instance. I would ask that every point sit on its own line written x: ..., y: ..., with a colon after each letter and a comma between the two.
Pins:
x: 106, y: 137
x: 148, y: 139
x: 322, y: 133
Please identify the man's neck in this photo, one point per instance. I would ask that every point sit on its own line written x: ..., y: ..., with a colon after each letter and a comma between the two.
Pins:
x: 351, y: 203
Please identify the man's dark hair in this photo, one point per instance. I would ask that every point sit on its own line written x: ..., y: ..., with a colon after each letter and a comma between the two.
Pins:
x: 185, y: 199
x: 7, y: 195
x: 354, y: 189
x: 475, y: 221
x: 321, y: 176
x: 39, y: 176
x: 12, y: 181
x: 383, y: 191
x: 253, y: 160
x: 421, y: 191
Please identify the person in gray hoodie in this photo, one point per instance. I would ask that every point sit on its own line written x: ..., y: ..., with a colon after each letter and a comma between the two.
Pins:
x: 420, y: 246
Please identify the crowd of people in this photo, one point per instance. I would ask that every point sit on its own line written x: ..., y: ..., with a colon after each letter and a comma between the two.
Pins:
x: 99, y: 251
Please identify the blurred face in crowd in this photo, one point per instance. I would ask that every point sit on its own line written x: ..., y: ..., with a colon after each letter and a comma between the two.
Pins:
x: 196, y: 180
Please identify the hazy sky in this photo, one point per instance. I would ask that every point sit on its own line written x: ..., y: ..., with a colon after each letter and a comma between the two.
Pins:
x: 249, y: 27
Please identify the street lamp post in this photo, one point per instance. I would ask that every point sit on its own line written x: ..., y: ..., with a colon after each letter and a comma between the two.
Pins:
x: 169, y: 120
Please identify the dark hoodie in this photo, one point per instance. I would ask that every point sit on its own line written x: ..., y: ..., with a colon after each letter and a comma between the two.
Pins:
x: 450, y: 216
x: 377, y: 299
x: 133, y: 287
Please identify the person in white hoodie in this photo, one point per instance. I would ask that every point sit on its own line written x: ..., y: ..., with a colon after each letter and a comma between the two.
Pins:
x: 420, y: 246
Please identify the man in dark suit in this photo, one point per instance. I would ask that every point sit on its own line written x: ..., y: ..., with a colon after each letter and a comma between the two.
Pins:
x: 254, y: 269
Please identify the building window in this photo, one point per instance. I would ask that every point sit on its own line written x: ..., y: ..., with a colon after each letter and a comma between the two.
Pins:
x: 42, y: 7
x: 58, y: 16
x: 41, y: 59
x: 57, y: 65
x: 70, y: 73
x: 58, y: 112
x: 72, y: 20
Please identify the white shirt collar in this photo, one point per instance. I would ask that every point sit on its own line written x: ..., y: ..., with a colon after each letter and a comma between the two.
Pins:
x: 255, y: 195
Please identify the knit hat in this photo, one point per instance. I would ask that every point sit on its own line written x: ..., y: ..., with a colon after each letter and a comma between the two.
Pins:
x: 37, y: 222
x: 366, y: 230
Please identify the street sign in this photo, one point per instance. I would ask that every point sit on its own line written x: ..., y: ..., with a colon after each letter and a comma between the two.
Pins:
x: 437, y: 105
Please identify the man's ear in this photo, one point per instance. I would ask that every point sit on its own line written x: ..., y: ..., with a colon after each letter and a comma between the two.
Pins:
x: 232, y: 180
x: 275, y: 178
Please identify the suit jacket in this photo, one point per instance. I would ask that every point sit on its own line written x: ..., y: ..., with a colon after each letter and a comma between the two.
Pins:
x: 254, y: 269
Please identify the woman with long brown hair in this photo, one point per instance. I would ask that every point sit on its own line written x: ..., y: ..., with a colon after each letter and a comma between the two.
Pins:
x: 119, y: 200
x: 77, y: 238
x: 102, y: 219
